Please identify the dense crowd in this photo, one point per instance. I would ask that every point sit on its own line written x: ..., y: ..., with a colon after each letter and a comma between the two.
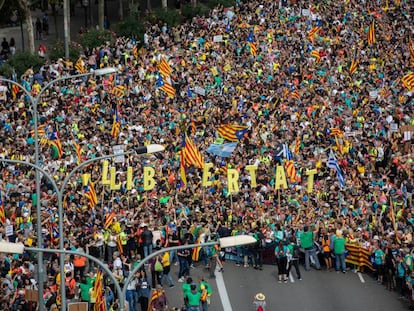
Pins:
x: 282, y: 70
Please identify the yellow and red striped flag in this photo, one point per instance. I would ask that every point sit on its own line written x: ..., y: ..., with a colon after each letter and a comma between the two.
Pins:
x: 80, y: 66
x: 164, y: 68
x: 2, y: 212
x: 232, y: 132
x: 334, y: 131
x: 192, y: 155
x: 411, y: 49
x: 339, y: 146
x: 119, y: 91
x: 408, y: 81
x: 100, y: 301
x: 15, y: 90
x: 155, y: 294
x: 315, y: 54
x: 135, y: 52
x: 371, y: 33
x: 90, y: 194
x: 109, y: 219
x: 119, y: 244
x: 297, y: 145
x: 354, y: 66
x: 295, y: 95
x: 196, y: 251
x: 253, y: 49
x: 165, y: 85
x: 312, y: 32
x: 290, y: 170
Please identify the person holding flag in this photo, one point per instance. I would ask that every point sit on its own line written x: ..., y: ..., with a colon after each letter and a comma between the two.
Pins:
x: 158, y: 300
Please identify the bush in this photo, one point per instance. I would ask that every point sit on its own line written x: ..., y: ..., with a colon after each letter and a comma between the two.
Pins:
x: 94, y: 38
x: 21, y: 61
x: 171, y: 17
x: 58, y: 51
x: 6, y: 71
x: 132, y: 27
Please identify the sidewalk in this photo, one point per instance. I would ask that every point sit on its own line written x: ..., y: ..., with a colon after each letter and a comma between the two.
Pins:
x: 76, y: 23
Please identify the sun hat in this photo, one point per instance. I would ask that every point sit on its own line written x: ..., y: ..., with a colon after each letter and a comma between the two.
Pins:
x: 260, y: 296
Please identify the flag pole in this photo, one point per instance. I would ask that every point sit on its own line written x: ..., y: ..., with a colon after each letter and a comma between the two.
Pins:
x: 278, y: 200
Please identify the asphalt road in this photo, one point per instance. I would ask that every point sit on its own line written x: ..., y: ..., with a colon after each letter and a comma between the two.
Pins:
x: 319, y: 290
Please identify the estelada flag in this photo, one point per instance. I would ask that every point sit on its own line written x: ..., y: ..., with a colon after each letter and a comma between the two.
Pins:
x: 408, y: 81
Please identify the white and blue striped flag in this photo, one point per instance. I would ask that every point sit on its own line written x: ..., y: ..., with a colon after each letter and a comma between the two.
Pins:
x: 282, y: 151
x: 333, y: 163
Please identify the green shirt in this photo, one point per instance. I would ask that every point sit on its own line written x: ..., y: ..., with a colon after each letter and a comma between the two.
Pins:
x: 193, y: 298
x: 339, y: 245
x: 84, y: 291
x: 186, y: 288
x: 306, y: 239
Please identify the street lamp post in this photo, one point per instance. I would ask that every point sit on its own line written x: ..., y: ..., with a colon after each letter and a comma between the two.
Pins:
x: 59, y: 192
x: 34, y: 102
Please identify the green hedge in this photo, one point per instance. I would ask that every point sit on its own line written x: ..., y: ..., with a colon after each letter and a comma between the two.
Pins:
x: 21, y: 61
x: 6, y: 71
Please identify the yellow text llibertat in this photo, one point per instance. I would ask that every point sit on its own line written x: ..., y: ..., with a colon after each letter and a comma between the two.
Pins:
x: 149, y: 182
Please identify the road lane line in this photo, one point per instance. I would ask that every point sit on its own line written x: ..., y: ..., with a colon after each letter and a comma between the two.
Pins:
x: 361, y: 278
x: 292, y: 280
x: 221, y: 288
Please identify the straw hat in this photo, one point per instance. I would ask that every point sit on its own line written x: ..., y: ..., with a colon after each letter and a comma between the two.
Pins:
x: 260, y: 296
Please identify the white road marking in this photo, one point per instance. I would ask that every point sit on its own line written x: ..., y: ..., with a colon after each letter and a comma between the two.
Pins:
x: 292, y: 280
x: 221, y: 288
x: 361, y: 278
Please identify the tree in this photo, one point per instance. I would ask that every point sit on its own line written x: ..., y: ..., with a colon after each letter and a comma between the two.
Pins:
x: 101, y: 13
x: 54, y: 4
x: 25, y: 5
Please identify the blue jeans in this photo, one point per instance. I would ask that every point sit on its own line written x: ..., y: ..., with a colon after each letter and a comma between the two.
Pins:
x: 184, y: 267
x: 340, y: 262
x: 132, y: 298
x: 173, y: 256
x: 311, y: 252
x: 169, y: 278
x: 240, y: 255
x: 204, y: 305
x: 147, y: 250
x: 193, y: 309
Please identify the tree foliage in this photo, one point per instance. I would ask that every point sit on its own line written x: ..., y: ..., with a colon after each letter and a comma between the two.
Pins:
x: 132, y: 27
x: 21, y: 61
x: 58, y: 51
x: 94, y: 38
